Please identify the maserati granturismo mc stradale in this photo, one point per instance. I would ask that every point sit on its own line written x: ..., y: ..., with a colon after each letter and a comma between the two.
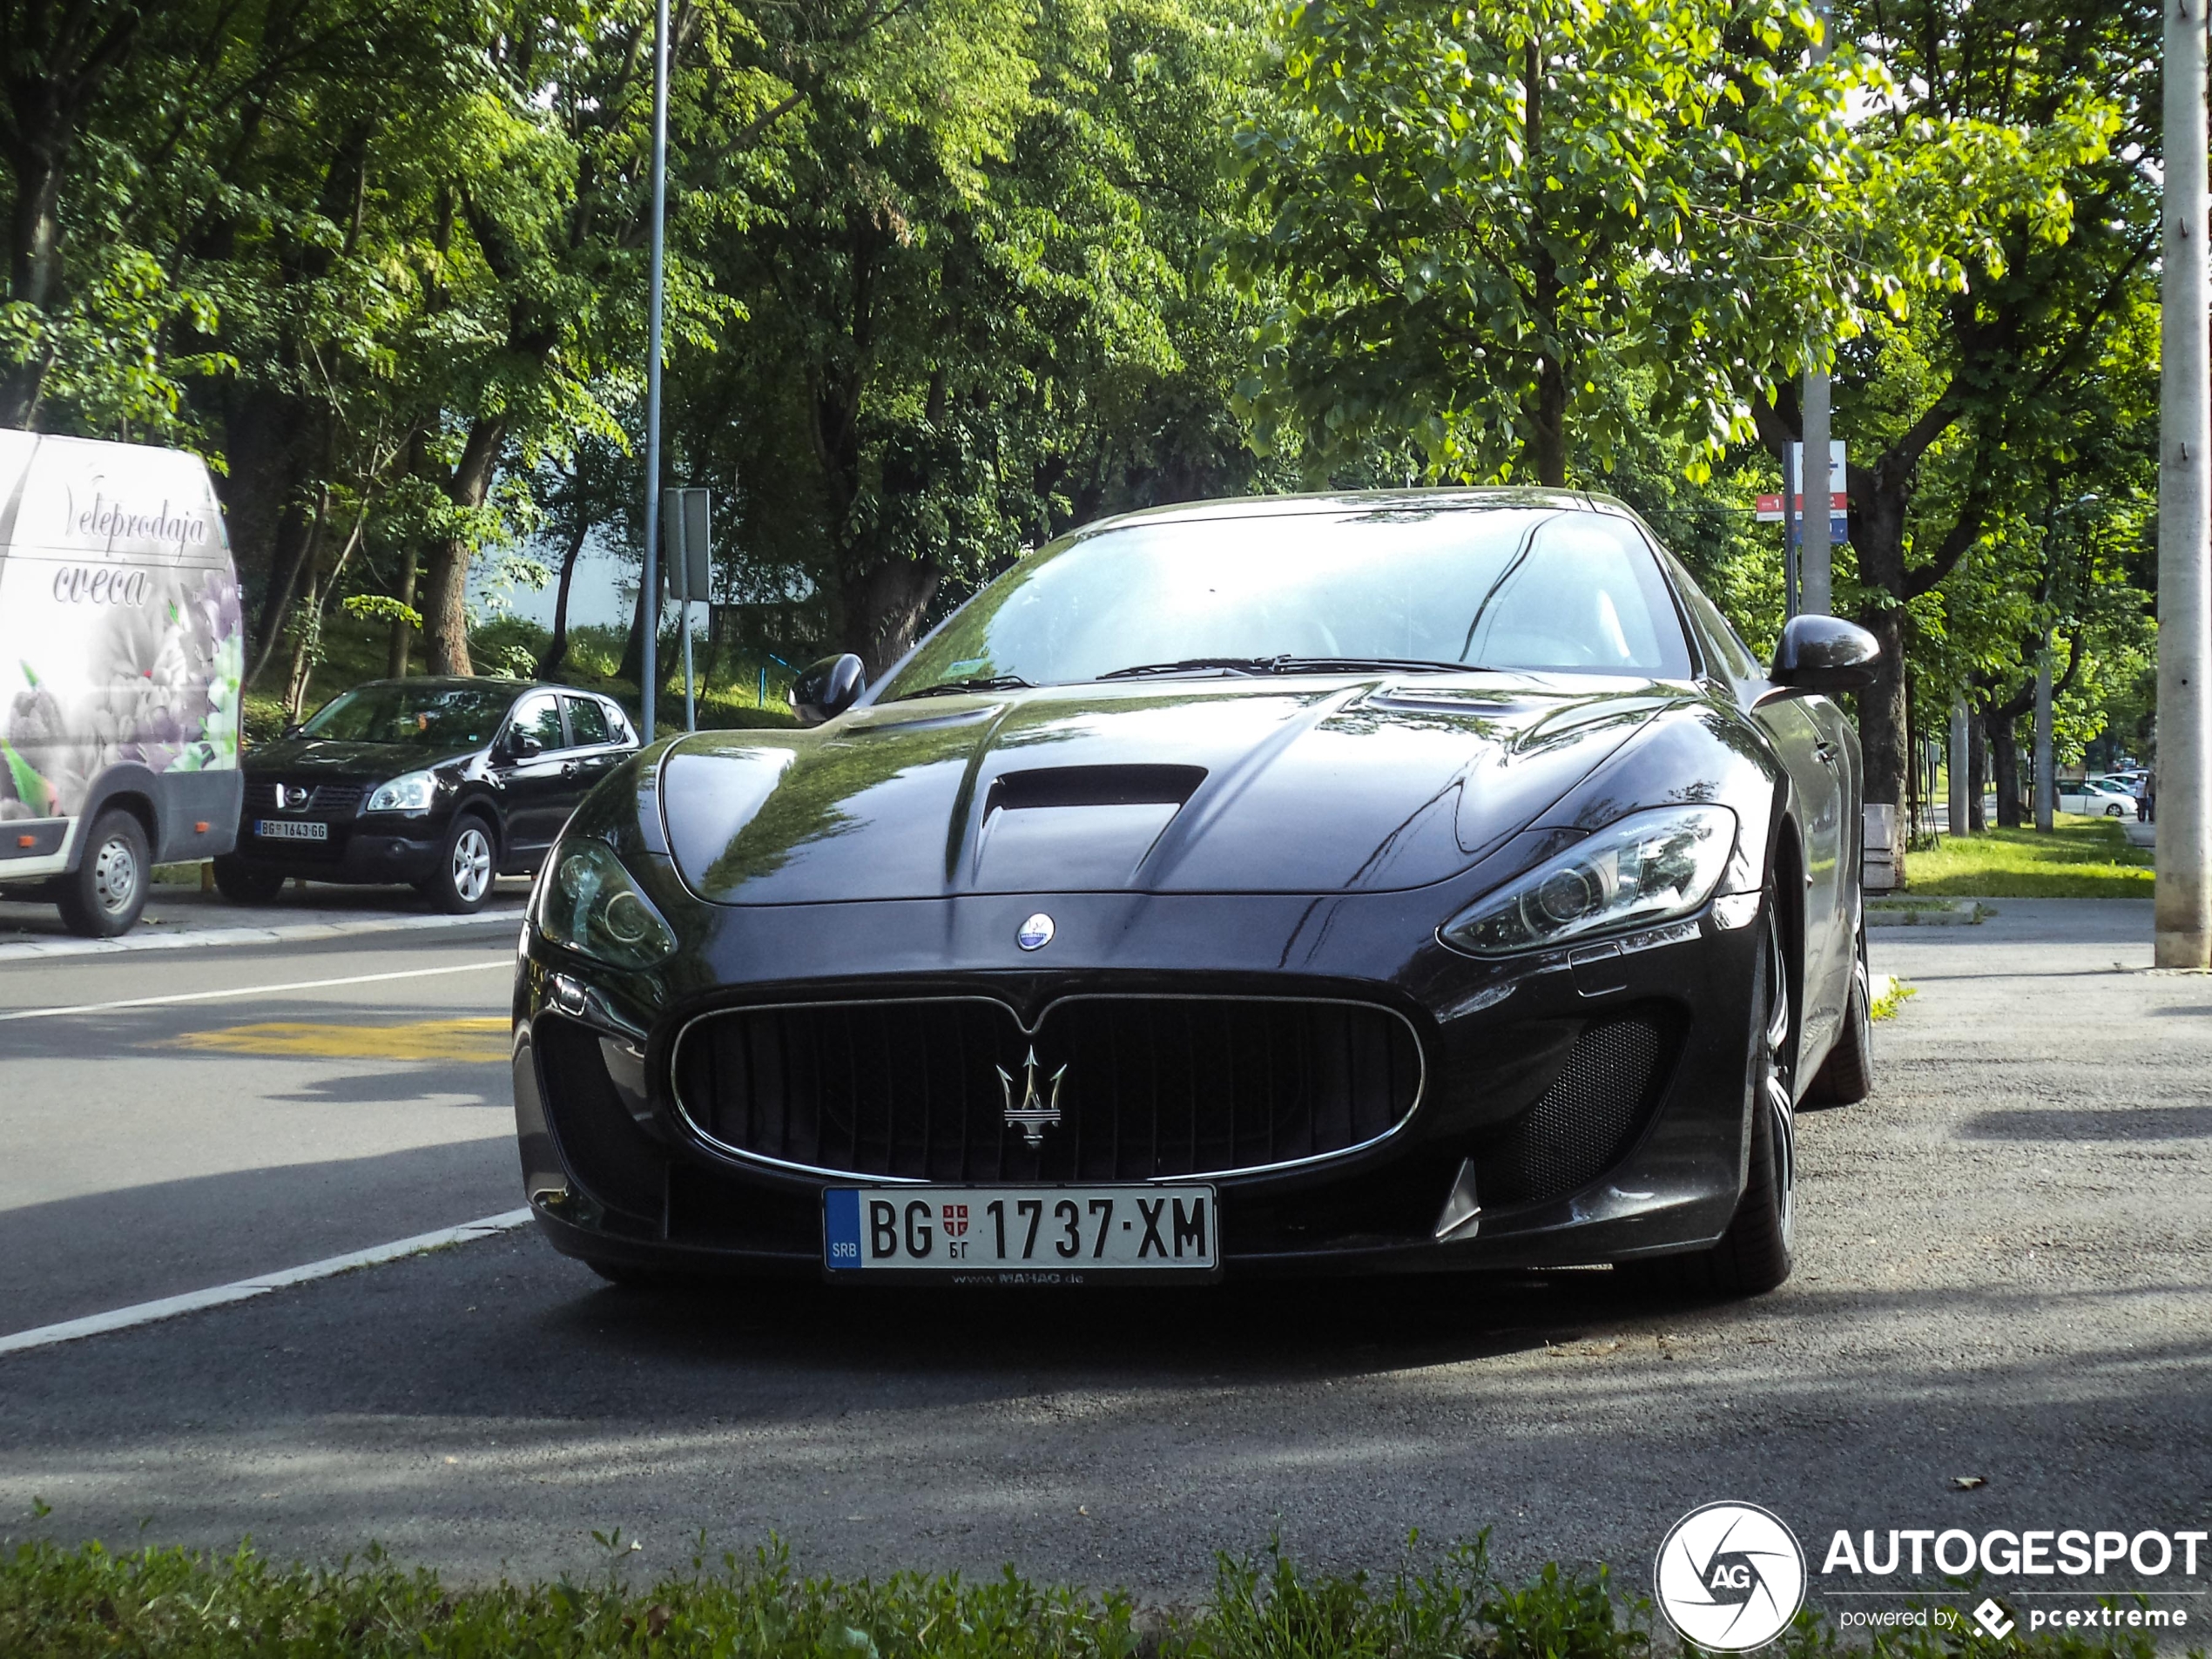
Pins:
x: 1372, y: 882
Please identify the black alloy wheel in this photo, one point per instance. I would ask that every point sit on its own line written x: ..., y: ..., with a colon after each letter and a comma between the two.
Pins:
x: 242, y: 883
x: 1753, y: 1256
x: 1847, y: 1076
x: 103, y: 896
x: 467, y: 862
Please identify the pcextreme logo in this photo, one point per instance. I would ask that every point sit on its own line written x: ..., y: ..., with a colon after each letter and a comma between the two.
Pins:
x: 1729, y: 1576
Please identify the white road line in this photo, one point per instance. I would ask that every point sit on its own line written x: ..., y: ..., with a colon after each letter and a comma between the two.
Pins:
x: 169, y: 1307
x: 506, y: 959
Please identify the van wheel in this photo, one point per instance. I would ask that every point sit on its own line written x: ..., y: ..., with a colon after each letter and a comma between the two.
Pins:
x: 103, y: 896
x: 241, y: 883
x: 467, y: 863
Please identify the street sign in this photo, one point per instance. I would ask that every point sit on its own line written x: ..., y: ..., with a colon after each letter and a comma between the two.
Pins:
x: 1770, y: 507
x: 685, y: 537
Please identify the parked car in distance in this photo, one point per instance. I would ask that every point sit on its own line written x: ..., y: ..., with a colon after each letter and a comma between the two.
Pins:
x: 120, y: 651
x: 440, y: 782
x: 2099, y: 801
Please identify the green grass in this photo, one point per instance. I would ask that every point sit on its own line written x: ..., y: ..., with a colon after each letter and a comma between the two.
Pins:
x: 2081, y: 857
x: 728, y: 680
x: 61, y: 1603
x: 1886, y: 1005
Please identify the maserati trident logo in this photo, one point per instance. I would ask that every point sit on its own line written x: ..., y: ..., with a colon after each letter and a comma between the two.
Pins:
x: 1036, y: 1113
x: 1034, y: 933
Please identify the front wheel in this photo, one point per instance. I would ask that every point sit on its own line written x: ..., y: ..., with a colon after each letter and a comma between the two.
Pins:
x: 242, y: 883
x: 103, y: 896
x: 463, y: 877
x: 2114, y: 811
x: 1754, y: 1255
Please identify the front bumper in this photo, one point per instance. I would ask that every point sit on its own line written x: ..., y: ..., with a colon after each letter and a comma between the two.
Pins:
x: 614, y: 1173
x: 396, y: 851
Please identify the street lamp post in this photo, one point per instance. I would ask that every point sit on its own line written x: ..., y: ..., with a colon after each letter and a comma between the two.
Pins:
x: 648, y: 589
x: 2182, y: 922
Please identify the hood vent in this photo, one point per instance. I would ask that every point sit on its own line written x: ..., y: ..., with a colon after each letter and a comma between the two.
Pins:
x: 1093, y: 786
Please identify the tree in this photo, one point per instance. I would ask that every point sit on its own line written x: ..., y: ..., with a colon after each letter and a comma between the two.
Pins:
x: 1488, y: 220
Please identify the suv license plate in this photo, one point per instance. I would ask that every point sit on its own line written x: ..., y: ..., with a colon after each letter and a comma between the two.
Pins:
x: 290, y: 829
x: 992, y: 1235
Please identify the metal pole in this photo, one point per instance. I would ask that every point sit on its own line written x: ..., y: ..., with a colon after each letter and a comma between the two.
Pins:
x: 2183, y: 923
x: 648, y: 593
x: 1812, y: 544
x: 2047, y: 792
x: 691, y: 709
x: 1961, y: 765
x: 1791, y: 488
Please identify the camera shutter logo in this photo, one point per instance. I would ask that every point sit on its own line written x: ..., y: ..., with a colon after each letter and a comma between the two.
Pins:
x: 1729, y: 1576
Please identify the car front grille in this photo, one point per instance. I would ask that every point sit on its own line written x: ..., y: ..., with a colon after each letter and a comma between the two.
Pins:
x: 1107, y: 1088
x: 336, y: 802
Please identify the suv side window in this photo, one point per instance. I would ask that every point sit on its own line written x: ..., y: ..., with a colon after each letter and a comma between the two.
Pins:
x: 541, y: 717
x: 588, y: 722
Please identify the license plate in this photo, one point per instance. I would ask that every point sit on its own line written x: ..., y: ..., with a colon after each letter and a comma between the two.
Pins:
x: 1020, y: 1234
x: 290, y: 829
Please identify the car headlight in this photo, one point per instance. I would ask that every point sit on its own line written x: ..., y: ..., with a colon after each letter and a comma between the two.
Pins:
x: 590, y: 904
x: 411, y: 794
x: 1647, y: 867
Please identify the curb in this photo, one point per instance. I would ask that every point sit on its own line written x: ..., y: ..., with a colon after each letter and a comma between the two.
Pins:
x: 36, y: 950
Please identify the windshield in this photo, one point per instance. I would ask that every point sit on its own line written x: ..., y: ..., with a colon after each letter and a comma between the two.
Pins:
x: 1505, y: 588
x: 424, y: 716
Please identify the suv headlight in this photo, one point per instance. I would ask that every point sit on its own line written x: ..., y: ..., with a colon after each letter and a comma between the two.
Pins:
x: 1647, y: 867
x: 411, y: 794
x: 591, y: 905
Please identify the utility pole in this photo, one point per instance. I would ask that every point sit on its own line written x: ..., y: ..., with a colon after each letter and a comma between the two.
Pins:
x: 2047, y: 791
x: 1961, y: 767
x: 1818, y: 596
x: 1792, y: 488
x: 2183, y: 911
x: 648, y: 589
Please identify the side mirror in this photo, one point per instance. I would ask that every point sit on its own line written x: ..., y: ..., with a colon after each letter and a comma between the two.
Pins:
x: 827, y: 689
x: 292, y: 728
x: 524, y: 744
x: 1822, y: 655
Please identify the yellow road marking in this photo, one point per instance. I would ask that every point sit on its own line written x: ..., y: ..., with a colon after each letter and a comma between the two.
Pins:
x: 478, y: 1038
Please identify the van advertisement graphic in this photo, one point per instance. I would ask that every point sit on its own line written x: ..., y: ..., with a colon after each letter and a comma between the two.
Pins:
x: 121, y: 638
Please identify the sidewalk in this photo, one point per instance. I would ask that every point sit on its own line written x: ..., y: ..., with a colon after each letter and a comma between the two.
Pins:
x: 179, y: 916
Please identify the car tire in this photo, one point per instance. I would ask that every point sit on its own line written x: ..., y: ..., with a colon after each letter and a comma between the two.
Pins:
x: 243, y: 883
x: 2114, y: 811
x: 1847, y: 1076
x: 103, y: 896
x: 468, y: 863
x: 1754, y: 1256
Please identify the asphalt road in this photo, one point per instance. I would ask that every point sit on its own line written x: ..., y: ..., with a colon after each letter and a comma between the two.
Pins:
x: 2002, y: 1276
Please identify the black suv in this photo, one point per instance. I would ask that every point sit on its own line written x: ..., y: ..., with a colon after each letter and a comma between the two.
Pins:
x: 442, y: 783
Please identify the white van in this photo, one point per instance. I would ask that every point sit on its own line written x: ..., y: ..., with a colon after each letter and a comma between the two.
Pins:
x: 121, y: 650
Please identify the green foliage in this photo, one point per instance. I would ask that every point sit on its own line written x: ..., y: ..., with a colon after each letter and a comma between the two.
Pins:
x: 58, y: 1604
x: 2083, y: 858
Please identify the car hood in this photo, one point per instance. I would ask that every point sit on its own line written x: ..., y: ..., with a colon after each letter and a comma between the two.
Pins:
x: 1222, y: 786
x: 328, y: 758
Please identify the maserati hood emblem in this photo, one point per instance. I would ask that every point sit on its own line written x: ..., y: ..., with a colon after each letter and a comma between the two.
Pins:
x: 1034, y: 933
x: 1035, y: 1113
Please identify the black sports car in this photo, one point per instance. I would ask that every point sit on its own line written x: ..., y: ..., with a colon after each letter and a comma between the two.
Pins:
x: 442, y: 783
x: 1385, y: 881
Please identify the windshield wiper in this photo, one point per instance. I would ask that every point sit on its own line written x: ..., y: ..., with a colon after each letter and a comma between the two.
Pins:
x: 1288, y: 665
x: 1196, y: 664
x: 950, y: 688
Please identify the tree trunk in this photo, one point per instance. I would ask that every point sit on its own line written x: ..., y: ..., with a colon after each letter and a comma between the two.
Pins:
x: 1881, y: 709
x: 33, y: 276
x: 556, y: 649
x: 633, y: 649
x: 1977, y: 772
x: 2004, y: 763
x: 297, y: 547
x: 882, y: 609
x: 402, y: 630
x: 445, y: 605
